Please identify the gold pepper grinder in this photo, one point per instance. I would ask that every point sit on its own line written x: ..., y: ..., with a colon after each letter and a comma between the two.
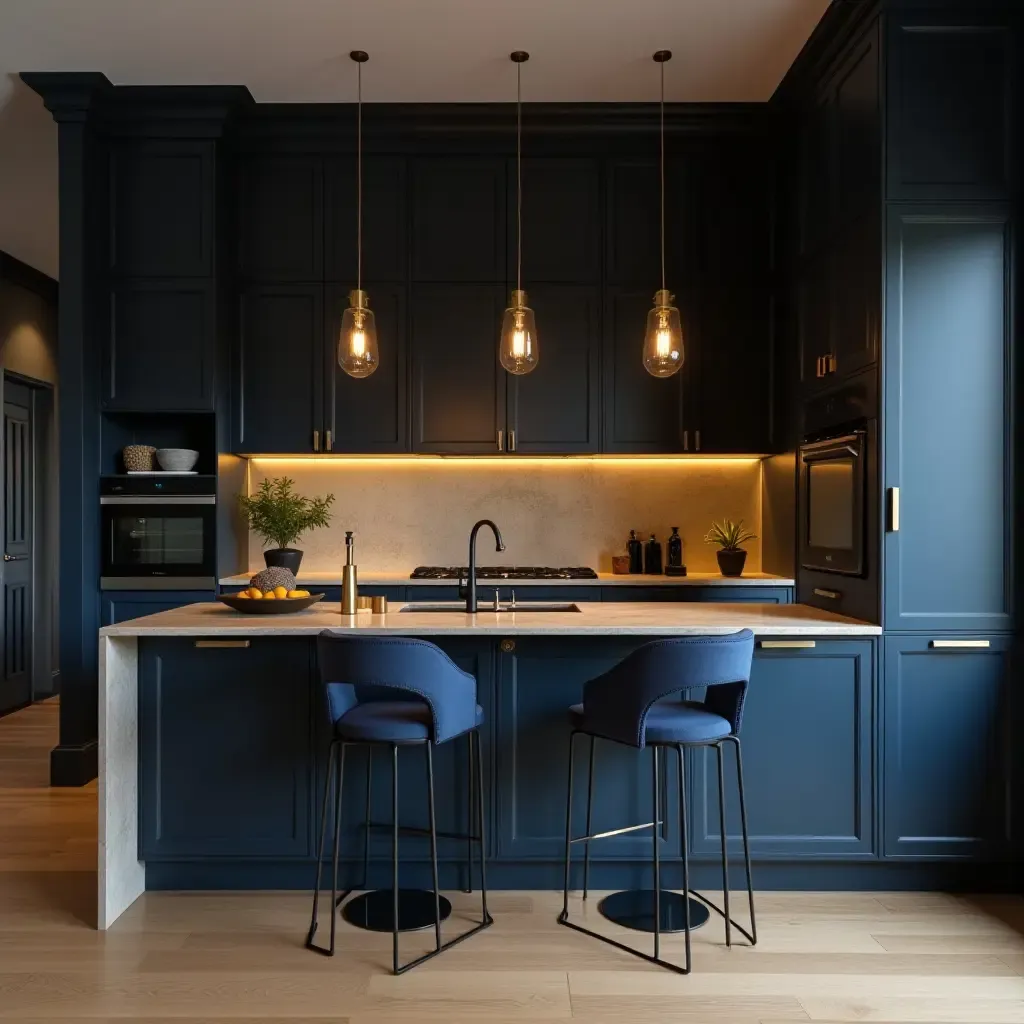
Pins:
x: 349, y: 585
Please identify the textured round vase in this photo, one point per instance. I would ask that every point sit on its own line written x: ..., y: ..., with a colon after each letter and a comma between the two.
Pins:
x: 287, y: 558
x: 731, y: 562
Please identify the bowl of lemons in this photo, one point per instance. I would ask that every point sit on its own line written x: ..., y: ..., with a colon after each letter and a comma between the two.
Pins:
x: 273, y: 591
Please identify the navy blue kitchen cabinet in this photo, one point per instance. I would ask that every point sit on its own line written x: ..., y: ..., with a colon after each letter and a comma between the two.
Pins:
x: 485, y: 592
x: 950, y: 728
x: 949, y: 451
x: 695, y: 592
x: 808, y: 749
x: 121, y: 605
x: 160, y: 355
x: 278, y: 373
x: 225, y: 747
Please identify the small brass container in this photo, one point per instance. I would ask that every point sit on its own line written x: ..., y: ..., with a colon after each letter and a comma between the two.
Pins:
x: 379, y: 605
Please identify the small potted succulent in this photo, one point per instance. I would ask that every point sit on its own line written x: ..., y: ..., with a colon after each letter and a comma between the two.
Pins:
x: 280, y: 517
x: 729, y: 536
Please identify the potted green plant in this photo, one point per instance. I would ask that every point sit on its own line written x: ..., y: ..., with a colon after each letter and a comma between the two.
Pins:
x: 280, y: 517
x: 729, y: 535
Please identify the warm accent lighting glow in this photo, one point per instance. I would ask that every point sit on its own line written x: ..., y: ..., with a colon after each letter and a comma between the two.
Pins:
x: 663, y: 341
x: 634, y: 461
x: 357, y: 339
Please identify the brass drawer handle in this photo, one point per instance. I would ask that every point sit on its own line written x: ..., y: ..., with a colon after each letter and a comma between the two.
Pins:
x: 953, y: 645
x: 894, y: 510
x: 779, y: 645
x: 832, y: 595
x: 222, y: 643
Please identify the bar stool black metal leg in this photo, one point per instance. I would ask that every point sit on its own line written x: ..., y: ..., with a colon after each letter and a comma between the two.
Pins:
x: 590, y: 807
x: 480, y: 824
x: 366, y: 826
x: 568, y: 831
x: 328, y: 781
x: 725, y: 842
x: 394, y: 856
x: 339, y: 783
x: 746, y: 840
x: 469, y: 812
x: 684, y: 844
x: 433, y: 842
x: 657, y: 861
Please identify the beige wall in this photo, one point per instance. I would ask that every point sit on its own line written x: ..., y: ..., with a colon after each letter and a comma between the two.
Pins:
x: 412, y: 512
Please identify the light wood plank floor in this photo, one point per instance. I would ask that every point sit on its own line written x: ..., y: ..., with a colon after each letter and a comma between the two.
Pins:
x: 191, y: 958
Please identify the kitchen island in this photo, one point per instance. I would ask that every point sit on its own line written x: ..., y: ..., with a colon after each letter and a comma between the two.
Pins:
x: 213, y: 735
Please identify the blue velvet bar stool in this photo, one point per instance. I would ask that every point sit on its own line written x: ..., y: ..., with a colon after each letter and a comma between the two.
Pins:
x: 638, y: 704
x: 396, y: 692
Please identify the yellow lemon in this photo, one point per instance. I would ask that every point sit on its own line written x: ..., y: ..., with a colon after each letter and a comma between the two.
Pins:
x: 255, y: 594
x: 301, y: 593
x: 280, y: 592
x: 295, y: 593
x: 269, y: 596
x: 244, y: 593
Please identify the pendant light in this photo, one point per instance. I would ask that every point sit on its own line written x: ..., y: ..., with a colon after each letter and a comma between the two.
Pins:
x: 663, y: 340
x: 357, y: 339
x: 518, y: 349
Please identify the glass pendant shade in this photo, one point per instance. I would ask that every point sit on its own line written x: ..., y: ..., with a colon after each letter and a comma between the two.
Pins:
x: 518, y: 352
x: 663, y: 342
x: 357, y: 339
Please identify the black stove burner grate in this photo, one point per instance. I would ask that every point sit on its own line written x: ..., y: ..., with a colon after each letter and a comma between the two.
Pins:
x: 504, y: 572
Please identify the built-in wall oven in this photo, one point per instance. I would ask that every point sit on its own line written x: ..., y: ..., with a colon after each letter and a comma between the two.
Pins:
x: 159, y: 533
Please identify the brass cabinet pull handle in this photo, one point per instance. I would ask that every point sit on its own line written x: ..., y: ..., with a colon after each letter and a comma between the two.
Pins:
x: 818, y: 372
x: 501, y: 440
x: 222, y: 643
x: 779, y: 645
x: 511, y: 440
x: 830, y: 363
x: 953, y: 645
x: 894, y: 510
x: 832, y: 595
x: 696, y: 440
x: 686, y: 440
x: 316, y: 440
x: 327, y: 441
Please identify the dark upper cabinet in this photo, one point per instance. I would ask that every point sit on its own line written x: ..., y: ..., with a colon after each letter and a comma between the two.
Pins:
x: 278, y: 386
x: 368, y: 414
x: 816, y: 173
x: 949, y: 419
x: 458, y: 385
x: 641, y: 413
x: 280, y: 219
x: 458, y: 220
x: 949, y: 107
x: 555, y: 408
x: 856, y: 266
x: 951, y: 715
x: 561, y: 221
x: 858, y: 130
x: 162, y: 208
x: 729, y: 371
x: 160, y: 355
x: 384, y: 219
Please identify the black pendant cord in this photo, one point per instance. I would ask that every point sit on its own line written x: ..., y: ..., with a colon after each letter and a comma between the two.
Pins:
x: 662, y: 131
x: 519, y: 176
x: 359, y: 178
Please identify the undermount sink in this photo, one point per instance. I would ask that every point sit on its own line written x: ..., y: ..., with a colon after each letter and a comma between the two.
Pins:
x: 459, y: 607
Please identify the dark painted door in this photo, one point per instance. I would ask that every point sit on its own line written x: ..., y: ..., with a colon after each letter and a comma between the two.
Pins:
x: 948, y: 404
x: 950, y: 731
x: 458, y: 385
x: 18, y: 513
x: 807, y: 745
x: 279, y: 389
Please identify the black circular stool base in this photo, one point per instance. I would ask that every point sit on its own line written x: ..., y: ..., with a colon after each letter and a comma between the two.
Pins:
x: 634, y: 908
x: 374, y: 910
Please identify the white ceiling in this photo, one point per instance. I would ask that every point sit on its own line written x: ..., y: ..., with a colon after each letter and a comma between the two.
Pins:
x: 420, y: 50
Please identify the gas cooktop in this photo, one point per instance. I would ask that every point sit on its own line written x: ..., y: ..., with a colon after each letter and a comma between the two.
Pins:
x: 503, y: 572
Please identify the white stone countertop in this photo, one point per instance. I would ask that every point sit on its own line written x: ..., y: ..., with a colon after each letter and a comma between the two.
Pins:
x: 604, y: 579
x: 602, y: 618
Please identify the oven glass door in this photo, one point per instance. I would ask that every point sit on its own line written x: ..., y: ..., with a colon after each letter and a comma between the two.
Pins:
x: 832, y: 527
x: 158, y: 540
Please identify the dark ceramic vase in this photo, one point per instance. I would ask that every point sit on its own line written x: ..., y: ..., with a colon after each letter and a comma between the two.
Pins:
x: 731, y: 562
x: 287, y: 558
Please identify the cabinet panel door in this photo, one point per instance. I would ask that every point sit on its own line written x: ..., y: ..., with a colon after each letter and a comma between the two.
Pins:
x: 641, y: 413
x: 807, y: 757
x: 695, y: 592
x: 949, y: 401
x: 384, y: 219
x: 817, y: 173
x: 163, y: 201
x: 280, y: 220
x: 858, y: 136
x: 161, y: 347
x: 555, y: 407
x: 949, y: 735
x: 122, y: 605
x: 537, y: 684
x: 950, y: 88
x: 458, y: 399
x: 857, y: 290
x: 561, y: 217
x: 279, y: 391
x: 225, y: 749
x: 368, y: 415
x: 815, y: 318
x: 458, y: 220
x: 730, y: 371
x: 634, y: 224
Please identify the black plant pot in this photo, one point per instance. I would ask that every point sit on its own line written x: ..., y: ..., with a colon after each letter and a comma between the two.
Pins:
x: 731, y: 562
x: 287, y: 558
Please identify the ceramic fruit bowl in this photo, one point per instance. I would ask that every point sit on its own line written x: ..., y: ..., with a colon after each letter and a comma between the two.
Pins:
x: 263, y: 606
